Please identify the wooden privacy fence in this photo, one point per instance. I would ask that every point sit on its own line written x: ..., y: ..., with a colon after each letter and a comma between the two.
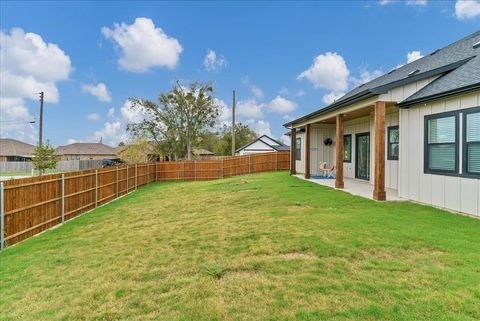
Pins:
x: 29, y: 206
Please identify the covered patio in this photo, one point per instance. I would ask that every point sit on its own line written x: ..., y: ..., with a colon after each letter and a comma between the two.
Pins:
x: 364, y: 173
x: 356, y: 187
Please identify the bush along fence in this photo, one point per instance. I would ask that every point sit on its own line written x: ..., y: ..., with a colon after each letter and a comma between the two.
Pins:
x: 29, y: 206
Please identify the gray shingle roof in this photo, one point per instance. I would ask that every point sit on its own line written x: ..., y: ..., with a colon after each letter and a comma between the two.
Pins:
x: 86, y: 149
x: 457, y: 64
x: 13, y: 147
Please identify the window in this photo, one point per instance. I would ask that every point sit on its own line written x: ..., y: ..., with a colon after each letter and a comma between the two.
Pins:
x: 393, y: 146
x: 347, y: 148
x: 441, y: 143
x: 298, y: 149
x: 471, y: 142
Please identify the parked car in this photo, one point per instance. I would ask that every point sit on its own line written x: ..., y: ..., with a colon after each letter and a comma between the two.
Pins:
x: 111, y: 162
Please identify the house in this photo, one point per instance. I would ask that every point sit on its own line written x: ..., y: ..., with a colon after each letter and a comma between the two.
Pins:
x: 86, y: 151
x: 263, y: 144
x: 202, y: 153
x: 12, y: 150
x: 413, y: 133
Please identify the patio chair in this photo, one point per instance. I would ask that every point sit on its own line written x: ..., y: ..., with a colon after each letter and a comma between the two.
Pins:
x: 331, y: 172
x: 322, y: 169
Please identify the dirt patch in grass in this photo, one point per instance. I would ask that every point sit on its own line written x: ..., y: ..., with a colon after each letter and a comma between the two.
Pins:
x: 298, y: 256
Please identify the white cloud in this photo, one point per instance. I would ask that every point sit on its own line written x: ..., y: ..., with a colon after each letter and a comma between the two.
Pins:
x: 260, y: 127
x: 111, y: 112
x: 100, y: 91
x: 15, y: 120
x: 256, y: 91
x: 28, y: 65
x: 288, y: 117
x: 72, y: 141
x: 328, y: 71
x: 129, y: 114
x: 300, y: 93
x: 384, y: 2
x: 413, y: 55
x: 111, y: 134
x: 285, y: 139
x: 93, y: 116
x: 212, y: 62
x: 281, y: 105
x: 467, y: 9
x: 143, y: 45
x: 115, y: 131
x: 416, y: 2
x: 250, y: 108
x: 225, y: 112
x: 366, y: 76
x: 331, y: 97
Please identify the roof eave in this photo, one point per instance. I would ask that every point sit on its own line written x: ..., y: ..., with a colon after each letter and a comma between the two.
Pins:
x: 456, y: 91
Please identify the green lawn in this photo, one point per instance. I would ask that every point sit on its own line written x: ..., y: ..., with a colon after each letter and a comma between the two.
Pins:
x: 261, y: 247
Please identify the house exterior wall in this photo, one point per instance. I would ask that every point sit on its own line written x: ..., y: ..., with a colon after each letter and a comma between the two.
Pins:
x: 454, y: 193
x: 319, y: 152
x: 256, y: 147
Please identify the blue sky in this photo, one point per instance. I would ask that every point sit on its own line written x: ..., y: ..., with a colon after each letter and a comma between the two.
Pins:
x: 284, y: 59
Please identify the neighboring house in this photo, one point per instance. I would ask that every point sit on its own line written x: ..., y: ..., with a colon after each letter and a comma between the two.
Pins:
x: 413, y: 132
x: 12, y: 150
x: 202, y: 153
x: 263, y: 144
x: 86, y: 151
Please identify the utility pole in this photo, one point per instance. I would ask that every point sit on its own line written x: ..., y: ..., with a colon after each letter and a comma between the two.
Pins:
x: 40, y: 126
x: 233, y: 124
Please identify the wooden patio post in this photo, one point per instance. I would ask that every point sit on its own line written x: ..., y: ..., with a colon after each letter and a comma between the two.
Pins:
x: 293, y: 137
x: 339, y: 148
x: 307, y: 151
x: 379, y: 193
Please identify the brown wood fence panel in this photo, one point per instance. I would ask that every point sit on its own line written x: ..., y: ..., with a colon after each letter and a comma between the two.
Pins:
x: 32, y: 205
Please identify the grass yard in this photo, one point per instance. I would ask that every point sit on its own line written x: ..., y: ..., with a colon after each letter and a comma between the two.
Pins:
x: 261, y: 247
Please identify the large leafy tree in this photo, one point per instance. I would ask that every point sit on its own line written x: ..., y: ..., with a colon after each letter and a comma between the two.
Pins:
x: 243, y: 136
x: 135, y: 152
x: 45, y: 157
x: 179, y: 119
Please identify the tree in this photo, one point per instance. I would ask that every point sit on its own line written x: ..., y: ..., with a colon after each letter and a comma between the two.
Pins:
x: 178, y: 121
x: 44, y: 157
x: 243, y: 136
x: 136, y: 152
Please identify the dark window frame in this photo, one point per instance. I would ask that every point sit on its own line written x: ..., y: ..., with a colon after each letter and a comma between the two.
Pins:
x: 350, y: 153
x: 298, y: 149
x: 465, y: 172
x: 389, y: 155
x: 426, y: 150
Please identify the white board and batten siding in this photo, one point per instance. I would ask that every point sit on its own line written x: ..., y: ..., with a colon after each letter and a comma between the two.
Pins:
x: 319, y: 152
x: 255, y: 148
x: 450, y: 192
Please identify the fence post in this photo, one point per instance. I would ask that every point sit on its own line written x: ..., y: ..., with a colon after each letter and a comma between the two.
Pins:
x: 116, y: 185
x: 249, y: 163
x: 127, y: 181
x: 63, y: 198
x: 195, y: 170
x: 136, y: 174
x: 148, y: 173
x: 96, y: 187
x: 223, y: 168
x: 2, y: 216
x: 156, y: 171
x: 276, y: 161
